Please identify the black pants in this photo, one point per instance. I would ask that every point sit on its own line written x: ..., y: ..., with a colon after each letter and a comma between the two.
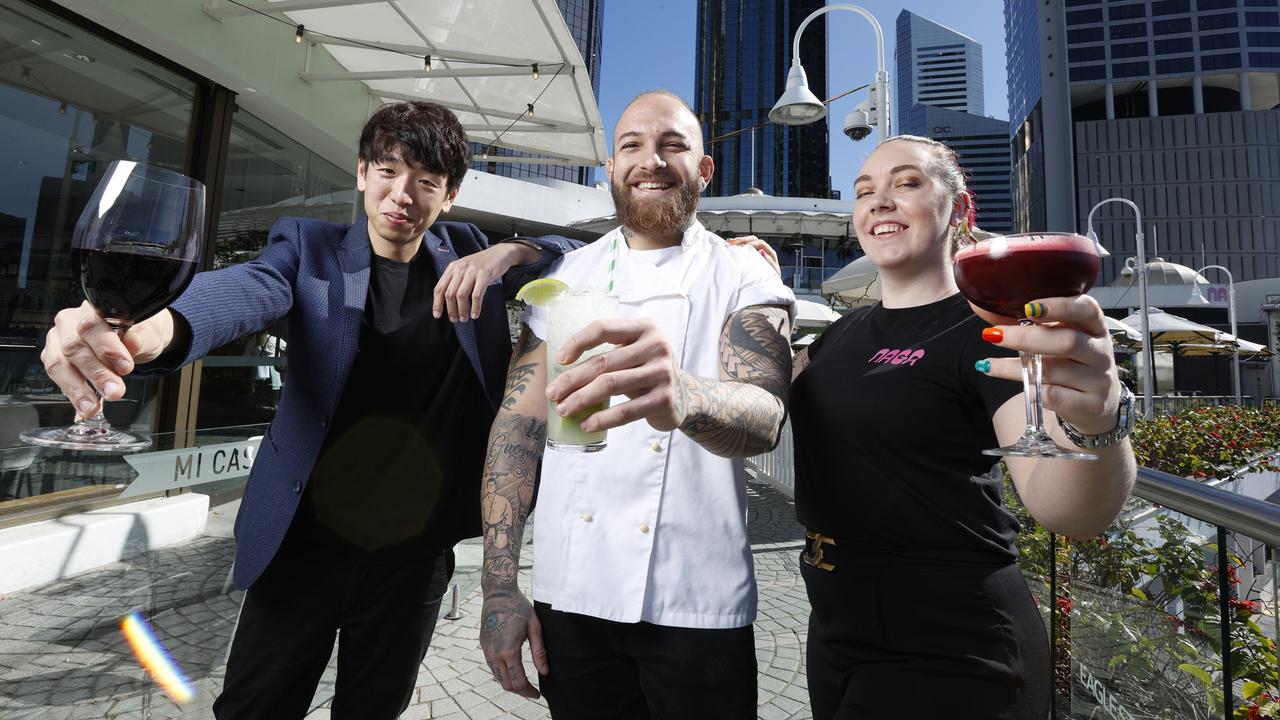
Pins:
x: 383, y: 615
x: 961, y: 640
x: 605, y: 670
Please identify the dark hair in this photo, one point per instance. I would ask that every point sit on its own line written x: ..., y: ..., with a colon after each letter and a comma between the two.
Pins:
x: 423, y: 133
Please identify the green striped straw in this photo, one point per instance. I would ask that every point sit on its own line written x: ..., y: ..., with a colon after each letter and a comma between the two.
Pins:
x: 613, y: 262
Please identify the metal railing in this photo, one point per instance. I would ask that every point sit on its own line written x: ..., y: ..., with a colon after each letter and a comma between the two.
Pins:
x: 1138, y: 618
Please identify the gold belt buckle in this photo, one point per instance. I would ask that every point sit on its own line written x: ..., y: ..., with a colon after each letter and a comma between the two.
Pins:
x: 813, y: 555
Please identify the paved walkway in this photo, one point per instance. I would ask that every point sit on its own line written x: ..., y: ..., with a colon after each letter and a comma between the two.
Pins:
x: 62, y: 655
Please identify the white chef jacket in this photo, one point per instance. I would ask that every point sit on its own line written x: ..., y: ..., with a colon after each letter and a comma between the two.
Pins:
x: 653, y: 528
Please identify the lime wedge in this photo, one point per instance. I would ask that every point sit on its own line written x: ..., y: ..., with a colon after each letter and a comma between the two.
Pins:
x: 538, y: 292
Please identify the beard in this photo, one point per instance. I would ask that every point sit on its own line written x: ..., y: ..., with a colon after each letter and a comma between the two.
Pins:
x: 660, y: 217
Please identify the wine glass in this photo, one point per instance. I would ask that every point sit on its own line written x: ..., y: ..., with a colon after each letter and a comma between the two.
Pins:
x: 136, y: 247
x: 1005, y: 272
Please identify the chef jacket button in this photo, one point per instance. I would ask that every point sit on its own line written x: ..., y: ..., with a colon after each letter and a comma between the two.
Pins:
x: 644, y: 528
x: 586, y: 517
x: 655, y: 446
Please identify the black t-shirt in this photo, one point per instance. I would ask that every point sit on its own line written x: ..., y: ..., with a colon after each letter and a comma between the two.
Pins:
x: 890, y: 419
x: 398, y: 476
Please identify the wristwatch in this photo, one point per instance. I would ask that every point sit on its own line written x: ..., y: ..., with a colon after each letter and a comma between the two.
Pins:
x: 1125, y: 418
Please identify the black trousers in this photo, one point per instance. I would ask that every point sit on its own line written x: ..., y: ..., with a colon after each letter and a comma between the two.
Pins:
x: 949, y: 639
x: 605, y: 670
x: 383, y: 616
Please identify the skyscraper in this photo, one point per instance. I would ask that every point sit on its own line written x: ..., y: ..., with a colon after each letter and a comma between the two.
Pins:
x: 1156, y: 102
x: 937, y: 66
x: 585, y: 19
x: 743, y: 54
x: 940, y: 96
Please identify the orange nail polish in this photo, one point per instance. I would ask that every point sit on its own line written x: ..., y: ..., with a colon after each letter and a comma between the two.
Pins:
x: 993, y: 335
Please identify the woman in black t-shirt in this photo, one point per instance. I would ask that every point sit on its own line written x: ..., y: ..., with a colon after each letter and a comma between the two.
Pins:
x: 910, y: 566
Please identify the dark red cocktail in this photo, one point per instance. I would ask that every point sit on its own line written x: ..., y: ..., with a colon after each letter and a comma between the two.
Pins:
x: 1005, y: 273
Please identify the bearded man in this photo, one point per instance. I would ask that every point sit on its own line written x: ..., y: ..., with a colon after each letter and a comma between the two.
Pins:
x: 643, y: 584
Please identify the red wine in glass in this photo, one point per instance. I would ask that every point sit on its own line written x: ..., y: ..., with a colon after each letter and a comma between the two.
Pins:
x: 1004, y: 273
x: 136, y: 247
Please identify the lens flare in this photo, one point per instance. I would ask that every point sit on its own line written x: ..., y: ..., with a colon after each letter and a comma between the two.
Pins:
x: 155, y: 659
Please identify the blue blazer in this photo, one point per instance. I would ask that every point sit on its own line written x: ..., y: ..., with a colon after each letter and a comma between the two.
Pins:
x: 316, y: 274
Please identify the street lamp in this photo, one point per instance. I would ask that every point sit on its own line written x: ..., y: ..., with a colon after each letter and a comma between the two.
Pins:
x: 1231, y: 316
x: 799, y: 106
x: 1148, y: 372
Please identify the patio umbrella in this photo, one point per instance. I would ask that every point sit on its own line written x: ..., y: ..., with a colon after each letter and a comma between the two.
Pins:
x: 1171, y: 332
x: 812, y: 314
x: 857, y: 283
x: 1246, y: 348
x: 1122, y: 334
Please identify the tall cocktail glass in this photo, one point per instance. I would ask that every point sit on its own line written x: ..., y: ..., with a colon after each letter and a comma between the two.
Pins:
x: 567, y: 313
x: 1004, y: 273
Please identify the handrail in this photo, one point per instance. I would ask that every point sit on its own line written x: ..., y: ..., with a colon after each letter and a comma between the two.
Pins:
x: 1254, y: 518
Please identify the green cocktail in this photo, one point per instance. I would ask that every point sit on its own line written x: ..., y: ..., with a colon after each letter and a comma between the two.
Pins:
x: 567, y: 313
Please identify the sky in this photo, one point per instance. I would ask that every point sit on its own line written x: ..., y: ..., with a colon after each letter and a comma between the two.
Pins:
x: 651, y: 44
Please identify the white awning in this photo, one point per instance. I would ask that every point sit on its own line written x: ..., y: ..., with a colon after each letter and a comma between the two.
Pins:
x: 759, y: 214
x: 482, y: 66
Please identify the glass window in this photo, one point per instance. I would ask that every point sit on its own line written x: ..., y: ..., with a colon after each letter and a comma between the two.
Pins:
x: 1082, y: 54
x: 268, y: 176
x: 1088, y: 72
x: 1126, y: 12
x: 1220, y: 42
x: 1203, y: 5
x: 1261, y: 3
x: 1264, y: 39
x: 1175, y: 65
x: 1170, y: 7
x: 1084, y: 17
x: 1174, y: 45
x: 1261, y: 19
x: 1217, y: 22
x: 1220, y: 62
x: 1171, y: 27
x: 1084, y: 35
x: 1128, y: 50
x: 1130, y: 69
x: 1132, y: 30
x: 1264, y: 60
x: 70, y: 103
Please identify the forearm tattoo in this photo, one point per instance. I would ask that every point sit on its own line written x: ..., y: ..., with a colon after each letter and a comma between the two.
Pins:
x: 516, y: 443
x: 742, y: 414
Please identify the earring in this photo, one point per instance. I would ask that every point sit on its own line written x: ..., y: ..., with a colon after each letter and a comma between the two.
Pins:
x: 961, y: 234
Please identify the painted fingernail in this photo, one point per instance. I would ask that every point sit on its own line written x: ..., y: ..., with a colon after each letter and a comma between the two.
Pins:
x: 992, y: 334
x: 982, y: 366
x: 85, y: 405
x: 1035, y: 310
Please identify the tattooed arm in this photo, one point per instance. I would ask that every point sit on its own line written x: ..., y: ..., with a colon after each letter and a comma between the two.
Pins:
x: 742, y: 414
x: 516, y: 442
x: 737, y: 416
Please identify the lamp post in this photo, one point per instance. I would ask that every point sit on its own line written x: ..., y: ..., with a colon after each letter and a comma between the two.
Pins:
x: 1148, y: 372
x: 1231, y: 316
x: 799, y: 106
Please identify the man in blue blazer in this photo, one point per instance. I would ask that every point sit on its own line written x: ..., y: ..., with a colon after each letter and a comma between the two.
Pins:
x: 369, y: 472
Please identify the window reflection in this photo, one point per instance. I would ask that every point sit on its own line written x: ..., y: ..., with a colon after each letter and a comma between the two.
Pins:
x: 268, y: 177
x: 70, y: 103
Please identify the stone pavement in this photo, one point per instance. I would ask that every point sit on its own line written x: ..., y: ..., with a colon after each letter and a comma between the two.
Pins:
x: 62, y: 655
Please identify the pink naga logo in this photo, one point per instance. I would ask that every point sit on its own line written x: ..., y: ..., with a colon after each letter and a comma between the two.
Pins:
x: 897, y: 357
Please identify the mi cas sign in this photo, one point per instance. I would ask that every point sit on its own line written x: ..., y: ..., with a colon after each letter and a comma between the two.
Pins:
x: 173, y: 469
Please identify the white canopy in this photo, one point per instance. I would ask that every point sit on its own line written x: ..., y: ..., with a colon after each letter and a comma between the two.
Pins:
x: 755, y: 213
x: 857, y: 283
x: 482, y: 66
x: 812, y: 314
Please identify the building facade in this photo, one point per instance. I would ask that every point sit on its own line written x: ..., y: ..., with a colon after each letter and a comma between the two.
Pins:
x: 940, y: 96
x: 1164, y: 102
x: 585, y: 19
x: 937, y: 66
x: 743, y: 55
